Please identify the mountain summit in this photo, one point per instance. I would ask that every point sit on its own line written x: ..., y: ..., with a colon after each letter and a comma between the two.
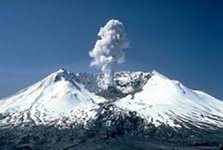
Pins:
x: 67, y: 100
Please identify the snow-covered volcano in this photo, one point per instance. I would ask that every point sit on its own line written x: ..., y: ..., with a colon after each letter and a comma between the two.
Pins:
x: 74, y: 111
x: 63, y: 98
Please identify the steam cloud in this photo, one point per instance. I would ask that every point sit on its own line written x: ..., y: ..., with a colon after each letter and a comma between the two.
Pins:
x: 108, y: 49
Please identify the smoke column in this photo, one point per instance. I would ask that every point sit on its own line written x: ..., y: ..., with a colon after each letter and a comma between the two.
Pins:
x: 108, y: 49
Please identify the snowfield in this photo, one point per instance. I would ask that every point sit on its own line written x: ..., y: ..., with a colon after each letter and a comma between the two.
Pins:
x: 64, y: 98
x: 143, y: 110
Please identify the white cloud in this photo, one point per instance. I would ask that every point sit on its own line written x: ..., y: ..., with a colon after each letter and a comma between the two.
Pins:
x: 108, y: 49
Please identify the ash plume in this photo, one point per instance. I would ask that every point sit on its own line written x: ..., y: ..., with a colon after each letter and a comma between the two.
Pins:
x: 108, y: 49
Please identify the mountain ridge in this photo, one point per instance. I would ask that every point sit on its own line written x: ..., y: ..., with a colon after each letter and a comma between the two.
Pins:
x: 152, y: 95
x: 74, y: 111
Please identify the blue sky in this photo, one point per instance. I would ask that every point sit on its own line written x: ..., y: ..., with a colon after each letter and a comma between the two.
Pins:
x: 181, y: 39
